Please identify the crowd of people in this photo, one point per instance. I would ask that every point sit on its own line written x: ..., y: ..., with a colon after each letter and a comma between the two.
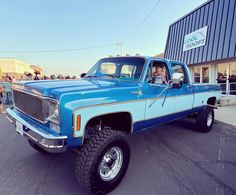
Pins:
x: 6, y: 85
x: 30, y: 76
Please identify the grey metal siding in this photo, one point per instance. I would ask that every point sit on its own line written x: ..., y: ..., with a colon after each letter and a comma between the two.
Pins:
x: 201, y: 49
x: 228, y: 29
x: 194, y: 24
x: 180, y: 28
x: 232, y: 48
x: 209, y: 20
x: 181, y: 44
x: 223, y: 29
x: 187, y: 58
x: 217, y: 29
x: 220, y: 17
x: 211, y: 31
x: 196, y: 51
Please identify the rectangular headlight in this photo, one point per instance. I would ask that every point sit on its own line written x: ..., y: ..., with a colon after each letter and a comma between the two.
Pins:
x: 51, y: 111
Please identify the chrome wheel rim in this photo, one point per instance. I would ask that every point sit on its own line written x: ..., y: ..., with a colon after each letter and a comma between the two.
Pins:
x: 209, y: 119
x: 111, y: 164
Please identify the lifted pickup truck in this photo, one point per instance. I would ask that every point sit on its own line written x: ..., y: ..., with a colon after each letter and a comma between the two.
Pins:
x: 94, y: 115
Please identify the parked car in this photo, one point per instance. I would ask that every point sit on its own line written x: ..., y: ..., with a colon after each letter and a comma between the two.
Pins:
x: 94, y: 115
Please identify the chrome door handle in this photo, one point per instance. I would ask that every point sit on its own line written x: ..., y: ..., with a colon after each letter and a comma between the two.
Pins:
x: 139, y: 92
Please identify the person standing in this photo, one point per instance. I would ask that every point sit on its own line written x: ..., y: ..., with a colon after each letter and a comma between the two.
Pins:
x: 1, y: 96
x: 7, y: 89
x: 36, y: 75
x: 29, y: 77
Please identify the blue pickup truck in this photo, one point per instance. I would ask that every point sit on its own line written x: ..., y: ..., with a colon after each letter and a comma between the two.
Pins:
x: 93, y: 116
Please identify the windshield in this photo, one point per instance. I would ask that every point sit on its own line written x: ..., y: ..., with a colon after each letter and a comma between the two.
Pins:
x: 126, y: 68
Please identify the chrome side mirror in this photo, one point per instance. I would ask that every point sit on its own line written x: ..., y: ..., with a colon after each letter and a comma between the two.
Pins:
x: 177, y: 80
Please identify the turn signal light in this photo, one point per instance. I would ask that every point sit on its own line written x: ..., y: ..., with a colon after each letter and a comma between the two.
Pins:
x: 78, y: 122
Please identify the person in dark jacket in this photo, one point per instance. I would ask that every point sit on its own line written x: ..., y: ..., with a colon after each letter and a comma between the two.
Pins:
x: 1, y: 96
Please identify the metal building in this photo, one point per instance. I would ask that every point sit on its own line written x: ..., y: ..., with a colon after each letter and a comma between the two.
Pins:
x: 205, y: 39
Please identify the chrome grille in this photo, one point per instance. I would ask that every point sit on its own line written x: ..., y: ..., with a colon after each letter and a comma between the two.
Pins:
x: 29, y: 104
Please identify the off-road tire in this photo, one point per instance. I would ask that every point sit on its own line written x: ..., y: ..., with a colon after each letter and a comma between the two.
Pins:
x: 90, y: 156
x: 202, y: 124
x: 36, y: 147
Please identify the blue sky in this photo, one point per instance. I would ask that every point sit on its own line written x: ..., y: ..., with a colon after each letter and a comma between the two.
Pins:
x: 64, y: 24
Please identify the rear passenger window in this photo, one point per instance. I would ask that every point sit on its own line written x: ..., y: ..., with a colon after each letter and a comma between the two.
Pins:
x: 180, y: 69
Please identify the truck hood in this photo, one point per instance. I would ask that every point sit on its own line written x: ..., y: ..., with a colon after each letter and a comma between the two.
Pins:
x: 56, y: 88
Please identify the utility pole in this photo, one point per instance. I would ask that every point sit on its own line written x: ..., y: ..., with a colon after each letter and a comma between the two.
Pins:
x: 120, y: 44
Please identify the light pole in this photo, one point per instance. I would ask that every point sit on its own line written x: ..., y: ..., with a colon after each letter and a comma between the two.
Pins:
x: 120, y: 44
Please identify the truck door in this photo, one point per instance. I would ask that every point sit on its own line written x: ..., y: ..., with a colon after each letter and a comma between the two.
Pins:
x: 159, y: 102
x: 184, y: 96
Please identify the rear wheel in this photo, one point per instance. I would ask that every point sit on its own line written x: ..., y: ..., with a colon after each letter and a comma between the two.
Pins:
x: 102, y: 161
x: 205, y: 120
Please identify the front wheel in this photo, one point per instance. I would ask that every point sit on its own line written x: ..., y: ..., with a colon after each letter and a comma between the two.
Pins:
x: 102, y: 161
x: 205, y: 120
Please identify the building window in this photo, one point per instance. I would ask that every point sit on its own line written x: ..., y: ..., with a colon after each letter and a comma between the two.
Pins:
x: 232, y: 72
x: 205, y: 74
x: 226, y: 77
x: 222, y: 74
x: 232, y: 78
x: 197, y: 74
x: 201, y: 74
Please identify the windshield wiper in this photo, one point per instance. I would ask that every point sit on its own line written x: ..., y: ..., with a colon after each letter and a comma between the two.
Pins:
x: 113, y: 76
x: 109, y: 75
x: 91, y: 76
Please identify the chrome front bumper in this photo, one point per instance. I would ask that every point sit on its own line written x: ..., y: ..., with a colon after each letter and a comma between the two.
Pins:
x: 48, y: 142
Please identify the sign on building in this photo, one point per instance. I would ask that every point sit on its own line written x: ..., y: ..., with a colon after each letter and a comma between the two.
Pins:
x: 195, y: 39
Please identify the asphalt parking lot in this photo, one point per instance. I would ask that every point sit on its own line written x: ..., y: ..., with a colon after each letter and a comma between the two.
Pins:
x: 170, y: 159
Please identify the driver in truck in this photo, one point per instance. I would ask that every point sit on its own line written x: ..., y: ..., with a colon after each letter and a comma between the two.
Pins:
x: 159, y: 76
